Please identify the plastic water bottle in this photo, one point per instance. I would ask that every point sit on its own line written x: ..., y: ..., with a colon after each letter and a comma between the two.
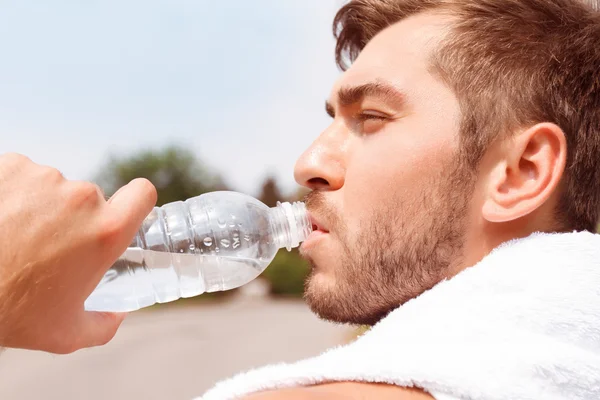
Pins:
x: 213, y: 242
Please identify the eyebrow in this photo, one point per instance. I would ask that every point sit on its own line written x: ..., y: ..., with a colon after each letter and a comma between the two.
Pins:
x: 348, y: 96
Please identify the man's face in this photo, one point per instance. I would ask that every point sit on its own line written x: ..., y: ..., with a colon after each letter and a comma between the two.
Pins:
x: 389, y: 192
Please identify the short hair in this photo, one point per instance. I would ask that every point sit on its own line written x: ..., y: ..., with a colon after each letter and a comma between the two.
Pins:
x: 511, y: 64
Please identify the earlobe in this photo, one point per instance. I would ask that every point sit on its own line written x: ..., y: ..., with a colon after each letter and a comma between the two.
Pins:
x: 528, y: 171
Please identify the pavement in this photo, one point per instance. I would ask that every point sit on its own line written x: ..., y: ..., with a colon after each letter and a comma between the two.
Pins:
x: 173, y: 352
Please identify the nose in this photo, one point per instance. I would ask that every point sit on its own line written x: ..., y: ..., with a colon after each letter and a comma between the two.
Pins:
x: 322, y: 166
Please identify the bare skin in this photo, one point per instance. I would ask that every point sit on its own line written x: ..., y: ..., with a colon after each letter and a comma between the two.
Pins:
x: 345, y: 391
x: 58, y: 238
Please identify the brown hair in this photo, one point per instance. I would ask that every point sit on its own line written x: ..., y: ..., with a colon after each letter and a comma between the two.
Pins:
x: 511, y: 63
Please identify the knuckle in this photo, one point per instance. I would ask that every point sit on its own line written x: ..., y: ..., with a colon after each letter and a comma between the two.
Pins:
x: 51, y: 174
x: 106, y: 339
x: 64, y: 347
x: 14, y: 158
x: 13, y: 161
x: 81, y: 192
x: 47, y: 174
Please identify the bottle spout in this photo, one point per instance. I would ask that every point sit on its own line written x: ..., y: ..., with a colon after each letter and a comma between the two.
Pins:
x: 291, y: 224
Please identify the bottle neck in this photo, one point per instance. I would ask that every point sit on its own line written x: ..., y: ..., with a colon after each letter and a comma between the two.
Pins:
x: 290, y: 224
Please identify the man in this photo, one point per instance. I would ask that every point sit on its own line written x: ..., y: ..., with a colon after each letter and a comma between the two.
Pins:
x: 460, y: 126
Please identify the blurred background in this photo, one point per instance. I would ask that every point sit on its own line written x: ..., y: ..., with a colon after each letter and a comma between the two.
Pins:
x: 195, y: 96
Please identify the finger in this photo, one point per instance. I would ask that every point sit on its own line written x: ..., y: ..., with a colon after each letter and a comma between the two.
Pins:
x: 132, y: 203
x: 99, y: 328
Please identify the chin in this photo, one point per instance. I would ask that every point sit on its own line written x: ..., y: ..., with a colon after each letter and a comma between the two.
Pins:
x: 338, y: 302
x: 320, y: 281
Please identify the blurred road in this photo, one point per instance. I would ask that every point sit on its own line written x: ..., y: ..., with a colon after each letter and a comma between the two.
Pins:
x: 172, y: 353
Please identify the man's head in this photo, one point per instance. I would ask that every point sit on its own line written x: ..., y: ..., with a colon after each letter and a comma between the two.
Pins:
x: 459, y: 125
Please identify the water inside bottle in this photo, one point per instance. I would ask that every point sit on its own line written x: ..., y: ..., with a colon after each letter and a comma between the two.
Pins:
x: 141, y: 278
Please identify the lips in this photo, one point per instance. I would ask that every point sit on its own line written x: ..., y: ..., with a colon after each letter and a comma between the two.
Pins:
x: 317, y: 225
x: 319, y: 231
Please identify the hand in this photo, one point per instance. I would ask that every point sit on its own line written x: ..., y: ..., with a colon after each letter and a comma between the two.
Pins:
x: 57, y: 240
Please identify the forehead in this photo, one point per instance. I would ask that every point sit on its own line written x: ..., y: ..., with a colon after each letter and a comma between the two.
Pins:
x: 400, y: 54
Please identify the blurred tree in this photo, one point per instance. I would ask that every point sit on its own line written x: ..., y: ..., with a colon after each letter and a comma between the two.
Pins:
x: 286, y: 273
x: 175, y: 171
x: 270, y: 193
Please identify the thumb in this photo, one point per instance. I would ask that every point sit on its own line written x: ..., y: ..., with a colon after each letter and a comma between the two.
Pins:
x: 98, y: 328
x: 132, y: 203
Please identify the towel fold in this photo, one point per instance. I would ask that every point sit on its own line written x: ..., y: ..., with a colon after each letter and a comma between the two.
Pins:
x: 524, y: 323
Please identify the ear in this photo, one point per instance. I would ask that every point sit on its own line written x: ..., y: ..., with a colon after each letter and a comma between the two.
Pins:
x: 529, y: 170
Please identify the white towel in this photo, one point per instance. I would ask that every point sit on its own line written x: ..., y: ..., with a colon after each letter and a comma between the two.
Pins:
x: 524, y: 323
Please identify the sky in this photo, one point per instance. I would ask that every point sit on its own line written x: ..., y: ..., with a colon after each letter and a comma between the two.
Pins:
x: 240, y: 83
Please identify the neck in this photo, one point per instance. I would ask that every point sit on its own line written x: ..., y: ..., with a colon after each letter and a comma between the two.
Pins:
x: 483, y: 236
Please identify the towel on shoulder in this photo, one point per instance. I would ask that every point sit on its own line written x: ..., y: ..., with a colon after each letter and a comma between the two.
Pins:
x: 523, y: 323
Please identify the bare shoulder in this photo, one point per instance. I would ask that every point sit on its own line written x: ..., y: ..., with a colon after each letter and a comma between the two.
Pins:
x: 344, y: 391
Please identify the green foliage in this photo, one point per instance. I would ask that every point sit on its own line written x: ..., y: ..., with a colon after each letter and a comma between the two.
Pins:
x: 287, y: 274
x: 175, y: 171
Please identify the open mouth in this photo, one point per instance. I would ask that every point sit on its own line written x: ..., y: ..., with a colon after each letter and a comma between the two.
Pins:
x: 319, y: 231
x: 317, y: 226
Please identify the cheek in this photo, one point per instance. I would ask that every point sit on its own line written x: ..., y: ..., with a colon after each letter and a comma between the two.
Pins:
x: 392, y: 167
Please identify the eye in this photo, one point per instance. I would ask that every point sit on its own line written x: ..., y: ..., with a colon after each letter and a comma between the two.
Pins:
x: 371, y: 121
x: 371, y: 115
